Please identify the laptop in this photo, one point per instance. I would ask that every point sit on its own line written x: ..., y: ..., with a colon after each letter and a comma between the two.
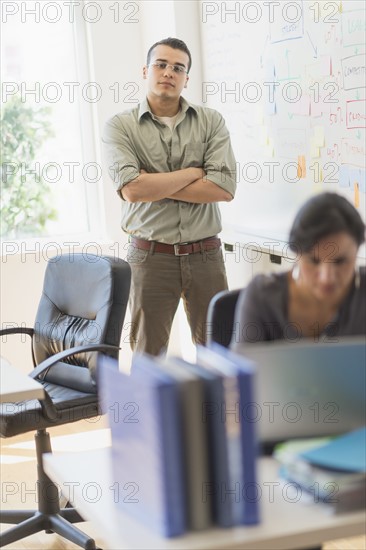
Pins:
x: 307, y: 389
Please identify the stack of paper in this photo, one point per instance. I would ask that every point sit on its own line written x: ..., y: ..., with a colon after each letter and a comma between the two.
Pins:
x: 332, y: 469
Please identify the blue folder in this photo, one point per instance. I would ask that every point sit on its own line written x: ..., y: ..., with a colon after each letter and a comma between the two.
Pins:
x: 346, y: 453
x: 217, y: 444
x: 238, y: 379
x: 147, y: 453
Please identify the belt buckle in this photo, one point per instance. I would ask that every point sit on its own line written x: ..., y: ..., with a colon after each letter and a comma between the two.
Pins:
x: 176, y: 250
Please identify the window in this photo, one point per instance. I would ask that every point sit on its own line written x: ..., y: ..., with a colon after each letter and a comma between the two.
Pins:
x: 50, y: 177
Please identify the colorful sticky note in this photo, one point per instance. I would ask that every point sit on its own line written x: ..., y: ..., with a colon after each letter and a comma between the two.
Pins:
x: 263, y: 135
x: 314, y: 150
x: 316, y: 109
x: 357, y: 195
x: 301, y: 167
x: 354, y: 175
x: 270, y: 70
x: 268, y: 149
x: 325, y: 65
x: 344, y: 179
x: 301, y: 107
x: 362, y: 182
x: 271, y: 108
x: 319, y: 136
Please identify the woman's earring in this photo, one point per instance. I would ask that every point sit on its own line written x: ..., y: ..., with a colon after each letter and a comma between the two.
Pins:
x: 296, y: 272
x: 357, y: 278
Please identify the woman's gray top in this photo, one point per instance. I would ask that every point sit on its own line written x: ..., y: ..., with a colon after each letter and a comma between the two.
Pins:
x: 262, y: 312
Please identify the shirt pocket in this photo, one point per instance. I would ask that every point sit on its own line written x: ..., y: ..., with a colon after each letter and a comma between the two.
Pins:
x: 194, y: 153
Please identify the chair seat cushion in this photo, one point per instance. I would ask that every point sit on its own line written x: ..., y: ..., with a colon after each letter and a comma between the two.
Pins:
x: 70, y: 405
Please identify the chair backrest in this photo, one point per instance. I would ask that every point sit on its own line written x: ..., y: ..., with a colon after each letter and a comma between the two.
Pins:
x: 220, y: 317
x: 84, y: 301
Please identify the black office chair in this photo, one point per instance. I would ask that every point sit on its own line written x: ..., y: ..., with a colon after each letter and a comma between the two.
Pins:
x: 220, y: 317
x: 81, y: 311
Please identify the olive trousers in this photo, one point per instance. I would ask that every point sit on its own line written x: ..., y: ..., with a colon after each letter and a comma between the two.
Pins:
x: 159, y: 281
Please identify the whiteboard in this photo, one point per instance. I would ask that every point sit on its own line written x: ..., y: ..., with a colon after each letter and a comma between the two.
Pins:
x: 289, y: 78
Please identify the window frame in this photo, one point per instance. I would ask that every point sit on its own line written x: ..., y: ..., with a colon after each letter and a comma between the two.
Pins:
x: 90, y: 151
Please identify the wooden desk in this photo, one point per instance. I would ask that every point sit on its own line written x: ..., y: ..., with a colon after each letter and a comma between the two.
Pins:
x: 86, y: 478
x: 16, y: 386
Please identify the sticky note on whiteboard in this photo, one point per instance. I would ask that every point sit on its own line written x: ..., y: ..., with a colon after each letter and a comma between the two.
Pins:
x: 301, y: 167
x: 314, y: 150
x: 358, y: 175
x: 362, y: 182
x: 319, y: 136
x: 357, y: 195
x: 344, y: 179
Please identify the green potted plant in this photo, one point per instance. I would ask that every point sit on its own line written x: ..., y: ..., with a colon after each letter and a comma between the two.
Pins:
x: 25, y: 197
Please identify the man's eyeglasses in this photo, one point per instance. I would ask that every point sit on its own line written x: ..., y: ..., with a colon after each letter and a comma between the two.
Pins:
x: 161, y: 66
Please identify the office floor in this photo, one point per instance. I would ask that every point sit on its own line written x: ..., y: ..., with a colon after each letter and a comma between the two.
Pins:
x: 18, y: 478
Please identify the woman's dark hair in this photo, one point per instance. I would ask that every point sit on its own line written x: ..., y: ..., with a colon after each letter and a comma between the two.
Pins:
x: 174, y: 43
x: 323, y: 215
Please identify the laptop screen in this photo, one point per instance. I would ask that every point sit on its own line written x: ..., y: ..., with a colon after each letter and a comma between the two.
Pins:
x: 307, y: 389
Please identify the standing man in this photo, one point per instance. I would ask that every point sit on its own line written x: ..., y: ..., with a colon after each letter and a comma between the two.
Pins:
x: 171, y: 163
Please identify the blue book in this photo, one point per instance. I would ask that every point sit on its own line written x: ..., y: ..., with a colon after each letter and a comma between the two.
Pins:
x: 194, y: 437
x: 144, y: 417
x: 238, y: 380
x: 213, y: 396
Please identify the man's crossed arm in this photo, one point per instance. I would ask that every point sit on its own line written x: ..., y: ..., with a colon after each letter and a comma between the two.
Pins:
x: 188, y: 185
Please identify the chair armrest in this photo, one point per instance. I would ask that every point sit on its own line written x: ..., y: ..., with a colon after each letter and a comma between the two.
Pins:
x: 20, y: 330
x: 17, y: 330
x: 47, y: 363
x: 48, y: 408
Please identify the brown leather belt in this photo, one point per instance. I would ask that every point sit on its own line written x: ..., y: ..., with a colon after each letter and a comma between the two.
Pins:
x: 180, y: 249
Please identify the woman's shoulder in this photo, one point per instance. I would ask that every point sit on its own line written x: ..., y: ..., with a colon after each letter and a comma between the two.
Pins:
x: 269, y: 281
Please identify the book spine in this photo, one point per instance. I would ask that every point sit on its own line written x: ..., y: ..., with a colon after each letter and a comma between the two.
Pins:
x: 174, y: 493
x: 218, y: 453
x: 196, y: 455
x: 230, y: 416
x: 249, y: 451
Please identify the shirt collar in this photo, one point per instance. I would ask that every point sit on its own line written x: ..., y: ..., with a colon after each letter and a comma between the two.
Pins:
x: 145, y: 107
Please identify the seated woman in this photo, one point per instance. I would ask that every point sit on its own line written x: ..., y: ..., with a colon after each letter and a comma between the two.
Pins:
x: 324, y: 295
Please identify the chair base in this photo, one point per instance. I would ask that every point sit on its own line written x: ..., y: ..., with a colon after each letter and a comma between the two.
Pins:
x: 49, y: 517
x: 31, y: 522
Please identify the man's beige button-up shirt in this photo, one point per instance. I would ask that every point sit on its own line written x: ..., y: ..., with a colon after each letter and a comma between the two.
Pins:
x: 136, y: 139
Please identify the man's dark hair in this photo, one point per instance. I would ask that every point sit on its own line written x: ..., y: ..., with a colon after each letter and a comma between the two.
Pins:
x: 174, y: 43
x: 323, y: 215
